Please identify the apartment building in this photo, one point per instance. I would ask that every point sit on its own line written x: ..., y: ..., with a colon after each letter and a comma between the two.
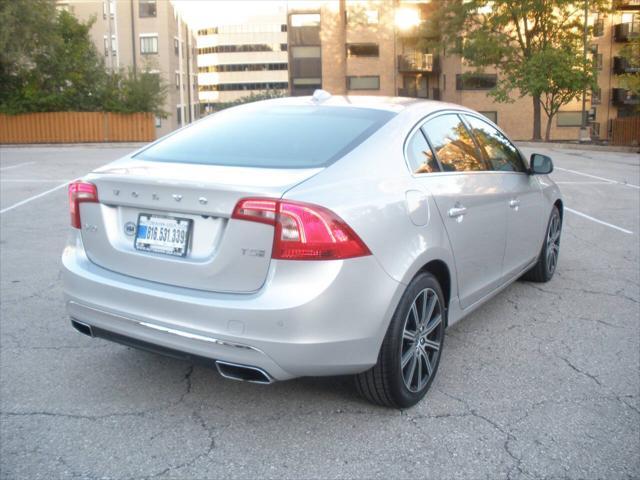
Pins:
x: 147, y: 35
x: 236, y: 60
x: 372, y: 48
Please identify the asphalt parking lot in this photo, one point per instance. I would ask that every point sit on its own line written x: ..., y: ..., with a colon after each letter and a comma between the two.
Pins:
x: 541, y: 382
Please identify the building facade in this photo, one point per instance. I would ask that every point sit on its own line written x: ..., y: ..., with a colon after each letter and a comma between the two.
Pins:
x: 235, y: 61
x: 371, y: 47
x: 147, y: 35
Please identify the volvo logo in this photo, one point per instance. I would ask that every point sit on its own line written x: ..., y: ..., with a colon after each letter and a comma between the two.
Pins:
x: 177, y: 197
x: 130, y: 228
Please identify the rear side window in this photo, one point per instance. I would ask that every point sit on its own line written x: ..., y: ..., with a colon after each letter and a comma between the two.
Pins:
x: 502, y: 154
x: 420, y: 155
x: 453, y: 145
x: 271, y: 136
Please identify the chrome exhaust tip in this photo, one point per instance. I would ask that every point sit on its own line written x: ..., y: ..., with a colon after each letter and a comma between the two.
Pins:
x: 243, y: 373
x: 83, y: 328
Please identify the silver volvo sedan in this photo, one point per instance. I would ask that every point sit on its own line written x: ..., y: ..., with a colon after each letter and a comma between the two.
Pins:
x: 309, y: 236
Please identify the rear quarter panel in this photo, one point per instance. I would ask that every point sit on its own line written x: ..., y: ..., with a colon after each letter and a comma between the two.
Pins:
x: 367, y: 188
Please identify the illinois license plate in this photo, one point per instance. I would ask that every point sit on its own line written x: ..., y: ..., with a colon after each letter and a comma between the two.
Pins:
x: 160, y: 234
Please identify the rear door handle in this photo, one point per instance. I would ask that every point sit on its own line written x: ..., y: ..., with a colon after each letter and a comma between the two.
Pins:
x: 457, y: 212
x: 514, y: 204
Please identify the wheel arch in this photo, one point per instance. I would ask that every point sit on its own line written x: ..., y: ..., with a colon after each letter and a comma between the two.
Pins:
x: 440, y: 270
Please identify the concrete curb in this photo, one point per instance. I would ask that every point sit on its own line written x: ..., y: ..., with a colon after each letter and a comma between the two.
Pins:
x: 579, y: 146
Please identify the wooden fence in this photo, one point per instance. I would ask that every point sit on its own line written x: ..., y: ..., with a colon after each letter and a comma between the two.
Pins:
x: 625, y: 131
x: 77, y: 127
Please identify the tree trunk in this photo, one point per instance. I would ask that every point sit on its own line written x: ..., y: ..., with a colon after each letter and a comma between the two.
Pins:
x: 537, y: 118
x: 547, y: 132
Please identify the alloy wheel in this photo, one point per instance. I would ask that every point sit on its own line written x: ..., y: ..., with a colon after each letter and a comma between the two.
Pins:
x: 421, y: 340
x: 553, y: 243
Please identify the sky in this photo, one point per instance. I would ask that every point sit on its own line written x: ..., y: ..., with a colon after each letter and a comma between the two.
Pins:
x: 206, y: 13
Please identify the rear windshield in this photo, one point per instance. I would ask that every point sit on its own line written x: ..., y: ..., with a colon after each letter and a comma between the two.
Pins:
x: 270, y: 136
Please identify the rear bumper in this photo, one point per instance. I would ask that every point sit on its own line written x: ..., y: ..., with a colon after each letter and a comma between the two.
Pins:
x: 310, y: 318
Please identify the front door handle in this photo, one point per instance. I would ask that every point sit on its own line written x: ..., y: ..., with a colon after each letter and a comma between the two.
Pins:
x: 514, y: 204
x: 457, y: 212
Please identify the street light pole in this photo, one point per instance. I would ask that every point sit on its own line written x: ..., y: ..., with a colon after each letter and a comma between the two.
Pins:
x: 585, y: 136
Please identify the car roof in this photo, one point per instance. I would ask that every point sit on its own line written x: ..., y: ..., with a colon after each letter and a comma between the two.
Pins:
x: 393, y: 104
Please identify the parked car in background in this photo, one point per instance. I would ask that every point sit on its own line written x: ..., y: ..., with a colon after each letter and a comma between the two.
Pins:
x: 310, y: 236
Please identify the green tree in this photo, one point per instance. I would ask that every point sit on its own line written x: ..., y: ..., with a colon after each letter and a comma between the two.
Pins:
x: 518, y: 38
x: 48, y: 63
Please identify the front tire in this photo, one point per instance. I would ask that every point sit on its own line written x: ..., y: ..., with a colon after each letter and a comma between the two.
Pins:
x: 410, y: 353
x: 547, y: 262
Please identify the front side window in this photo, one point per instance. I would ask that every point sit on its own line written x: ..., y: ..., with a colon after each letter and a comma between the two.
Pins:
x: 453, y: 144
x: 420, y: 156
x: 147, y: 8
x: 149, y: 44
x: 502, y: 154
x: 270, y: 136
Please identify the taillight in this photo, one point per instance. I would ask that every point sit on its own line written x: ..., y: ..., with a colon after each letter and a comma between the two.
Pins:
x: 80, y: 192
x: 302, y: 231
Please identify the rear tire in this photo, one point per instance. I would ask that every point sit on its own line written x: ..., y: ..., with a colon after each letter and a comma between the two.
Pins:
x: 410, y: 353
x: 547, y: 262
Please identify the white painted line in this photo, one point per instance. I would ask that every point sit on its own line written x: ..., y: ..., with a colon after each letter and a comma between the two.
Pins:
x: 16, y: 166
x: 585, y: 183
x: 588, y: 217
x: 599, y: 178
x: 16, y: 205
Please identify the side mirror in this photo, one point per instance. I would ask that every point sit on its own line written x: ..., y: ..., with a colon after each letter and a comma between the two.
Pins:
x: 540, y: 164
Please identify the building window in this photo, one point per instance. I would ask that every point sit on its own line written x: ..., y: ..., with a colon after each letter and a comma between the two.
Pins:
x: 176, y: 46
x: 230, y: 87
x: 111, y: 6
x: 177, y: 80
x: 114, y: 45
x: 243, y: 67
x: 597, y: 61
x: 158, y: 122
x: 257, y: 47
x: 363, y: 83
x: 148, y: 44
x: 476, y: 81
x: 493, y: 116
x: 147, y: 8
x: 305, y: 20
x: 596, y: 96
x: 569, y: 119
x: 362, y: 16
x: 283, y: 27
x: 598, y: 27
x: 363, y: 50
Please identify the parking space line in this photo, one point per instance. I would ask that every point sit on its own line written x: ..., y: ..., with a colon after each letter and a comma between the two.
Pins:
x: 35, y: 197
x: 2, y: 169
x: 585, y: 183
x: 589, y: 217
x: 599, y: 178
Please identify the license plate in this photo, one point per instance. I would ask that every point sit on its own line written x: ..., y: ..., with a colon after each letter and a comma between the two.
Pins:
x: 160, y: 234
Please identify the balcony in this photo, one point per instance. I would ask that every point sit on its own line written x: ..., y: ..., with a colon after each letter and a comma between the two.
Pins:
x: 623, y: 32
x: 621, y: 97
x: 626, y: 4
x: 621, y: 65
x: 418, y: 63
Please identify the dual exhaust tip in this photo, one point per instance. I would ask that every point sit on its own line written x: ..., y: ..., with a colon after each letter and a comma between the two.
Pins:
x: 232, y: 371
